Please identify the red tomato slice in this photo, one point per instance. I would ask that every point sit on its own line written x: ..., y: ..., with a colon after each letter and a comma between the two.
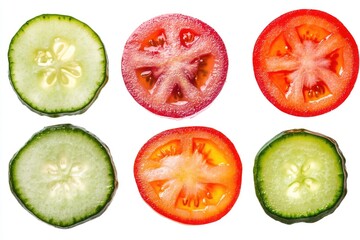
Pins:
x: 306, y: 62
x: 190, y: 174
x: 174, y: 65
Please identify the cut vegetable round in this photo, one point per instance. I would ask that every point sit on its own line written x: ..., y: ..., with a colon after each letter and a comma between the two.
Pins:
x: 64, y: 175
x: 174, y: 65
x: 300, y: 176
x: 57, y: 64
x: 306, y: 62
x: 190, y: 174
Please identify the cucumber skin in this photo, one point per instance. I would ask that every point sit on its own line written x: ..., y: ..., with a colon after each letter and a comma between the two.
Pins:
x: 99, y: 212
x: 56, y: 114
x: 314, y: 218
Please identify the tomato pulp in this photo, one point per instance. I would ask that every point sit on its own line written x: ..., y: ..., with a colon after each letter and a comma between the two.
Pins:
x: 174, y: 65
x: 306, y: 62
x: 190, y: 174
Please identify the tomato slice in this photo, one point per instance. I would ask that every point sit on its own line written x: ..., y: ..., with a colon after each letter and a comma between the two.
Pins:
x: 174, y: 65
x: 189, y: 174
x: 306, y: 62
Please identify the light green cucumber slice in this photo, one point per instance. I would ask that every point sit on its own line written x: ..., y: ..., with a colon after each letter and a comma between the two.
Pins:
x: 300, y: 176
x: 57, y: 65
x: 64, y: 175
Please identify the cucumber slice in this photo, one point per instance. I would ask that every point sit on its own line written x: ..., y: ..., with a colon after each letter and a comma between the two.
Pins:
x: 57, y: 65
x: 64, y: 175
x: 300, y: 176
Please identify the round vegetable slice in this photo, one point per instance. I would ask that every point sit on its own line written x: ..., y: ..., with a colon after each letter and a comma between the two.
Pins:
x: 174, y: 65
x: 300, y: 176
x: 306, y: 62
x: 189, y: 174
x: 58, y: 65
x: 64, y: 175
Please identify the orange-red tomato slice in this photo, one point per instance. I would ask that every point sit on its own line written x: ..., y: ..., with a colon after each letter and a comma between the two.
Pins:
x: 174, y: 65
x: 190, y: 174
x: 306, y: 62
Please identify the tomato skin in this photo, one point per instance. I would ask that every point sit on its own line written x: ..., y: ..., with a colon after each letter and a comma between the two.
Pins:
x: 183, y: 185
x: 174, y: 65
x: 340, y: 62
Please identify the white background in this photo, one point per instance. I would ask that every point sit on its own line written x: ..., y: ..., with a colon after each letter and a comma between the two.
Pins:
x: 240, y: 111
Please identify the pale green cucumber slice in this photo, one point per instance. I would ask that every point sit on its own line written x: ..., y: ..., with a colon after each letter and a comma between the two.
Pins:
x: 64, y: 175
x: 300, y: 176
x: 57, y: 65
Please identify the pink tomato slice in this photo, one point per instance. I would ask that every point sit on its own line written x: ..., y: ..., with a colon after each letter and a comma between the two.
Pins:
x: 174, y: 65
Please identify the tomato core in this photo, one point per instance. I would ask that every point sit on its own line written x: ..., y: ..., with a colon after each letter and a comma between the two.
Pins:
x: 310, y: 36
x: 189, y: 165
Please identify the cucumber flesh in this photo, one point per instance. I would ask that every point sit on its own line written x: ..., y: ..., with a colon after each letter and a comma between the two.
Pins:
x: 64, y: 175
x: 57, y: 65
x: 300, y: 176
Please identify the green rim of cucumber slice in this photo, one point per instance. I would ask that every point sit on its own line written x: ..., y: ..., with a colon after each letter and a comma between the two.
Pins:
x: 64, y: 175
x: 300, y: 176
x: 57, y: 65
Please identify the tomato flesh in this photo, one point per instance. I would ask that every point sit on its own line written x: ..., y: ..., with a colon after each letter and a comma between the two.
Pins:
x: 306, y: 62
x: 154, y: 42
x: 188, y: 37
x: 174, y: 65
x: 190, y: 174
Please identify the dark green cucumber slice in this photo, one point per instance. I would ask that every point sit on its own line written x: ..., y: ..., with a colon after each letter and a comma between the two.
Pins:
x: 300, y: 176
x: 64, y: 175
x: 57, y: 65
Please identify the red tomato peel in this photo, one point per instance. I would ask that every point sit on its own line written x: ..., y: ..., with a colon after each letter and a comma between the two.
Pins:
x: 306, y: 62
x: 191, y: 175
x: 174, y: 65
